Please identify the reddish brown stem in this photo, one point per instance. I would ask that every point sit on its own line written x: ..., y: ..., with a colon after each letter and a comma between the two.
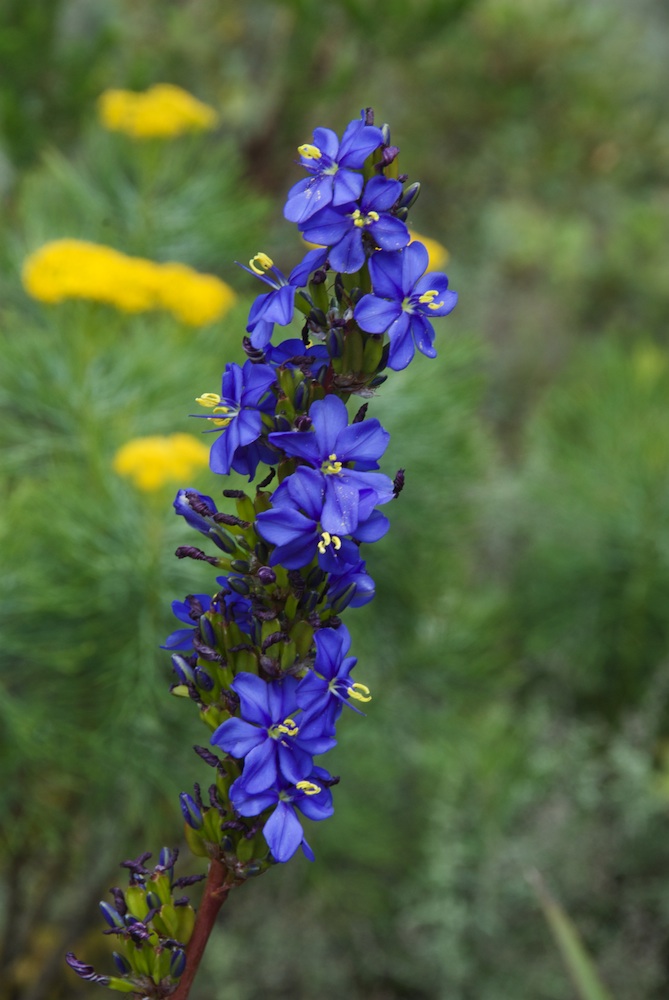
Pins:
x: 215, y: 894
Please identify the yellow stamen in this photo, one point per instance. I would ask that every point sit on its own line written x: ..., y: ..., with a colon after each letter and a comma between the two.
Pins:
x: 360, y: 692
x: 308, y: 787
x: 435, y: 305
x: 288, y: 727
x: 361, y: 220
x: 261, y: 263
x: 209, y: 399
x: 221, y: 422
x: 309, y: 152
x: 328, y: 539
x: 332, y: 467
x: 428, y: 297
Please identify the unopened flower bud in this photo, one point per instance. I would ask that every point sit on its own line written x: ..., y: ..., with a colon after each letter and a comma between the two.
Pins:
x: 121, y: 963
x: 190, y: 811
x: 203, y: 680
x: 177, y: 962
x: 266, y: 575
x: 111, y: 915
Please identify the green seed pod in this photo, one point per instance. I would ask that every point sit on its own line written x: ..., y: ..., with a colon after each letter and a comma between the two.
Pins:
x: 185, y: 923
x: 302, y: 635
x: 135, y: 897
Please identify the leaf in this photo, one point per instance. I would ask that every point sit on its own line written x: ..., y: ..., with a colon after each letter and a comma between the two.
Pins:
x: 579, y: 965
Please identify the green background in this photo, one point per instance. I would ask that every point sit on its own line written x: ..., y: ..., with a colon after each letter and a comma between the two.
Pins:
x: 517, y: 649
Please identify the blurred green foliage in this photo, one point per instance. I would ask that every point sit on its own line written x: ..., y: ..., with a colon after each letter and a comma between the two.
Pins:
x: 517, y: 649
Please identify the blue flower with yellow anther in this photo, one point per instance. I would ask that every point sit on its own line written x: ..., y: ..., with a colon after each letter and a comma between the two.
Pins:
x: 277, y: 306
x: 273, y: 743
x: 328, y: 686
x: 283, y: 830
x: 353, y: 231
x: 293, y: 525
x: 331, y: 447
x: 246, y: 395
x: 332, y: 165
x: 404, y: 301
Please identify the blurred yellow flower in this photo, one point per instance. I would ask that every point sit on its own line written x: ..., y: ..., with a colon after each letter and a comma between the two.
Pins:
x: 163, y: 111
x: 151, y: 462
x: 76, y: 269
x: 438, y: 254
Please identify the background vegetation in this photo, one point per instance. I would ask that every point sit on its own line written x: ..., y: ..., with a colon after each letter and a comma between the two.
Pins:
x: 518, y: 646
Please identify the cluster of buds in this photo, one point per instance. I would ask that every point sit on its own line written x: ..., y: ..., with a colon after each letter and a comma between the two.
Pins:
x: 152, y: 927
x: 265, y: 656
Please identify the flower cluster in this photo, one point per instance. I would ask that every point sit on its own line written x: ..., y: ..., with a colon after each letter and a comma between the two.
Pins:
x: 77, y: 269
x: 153, y: 461
x: 163, y: 111
x: 264, y: 655
x: 266, y: 658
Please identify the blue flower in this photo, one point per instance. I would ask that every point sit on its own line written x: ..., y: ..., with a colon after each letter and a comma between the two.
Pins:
x: 332, y: 165
x: 349, y: 494
x: 328, y: 686
x: 198, y: 511
x: 277, y: 306
x: 284, y: 355
x: 245, y: 396
x: 272, y: 743
x: 189, y: 611
x: 404, y: 300
x: 283, y: 830
x: 342, y: 230
x: 293, y: 525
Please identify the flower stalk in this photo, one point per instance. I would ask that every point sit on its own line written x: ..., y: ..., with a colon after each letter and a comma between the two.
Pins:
x: 263, y: 656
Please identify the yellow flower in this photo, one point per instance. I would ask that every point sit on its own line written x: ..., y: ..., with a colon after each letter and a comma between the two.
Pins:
x: 151, y: 462
x: 194, y: 298
x: 163, y: 111
x: 438, y: 255
x: 66, y: 269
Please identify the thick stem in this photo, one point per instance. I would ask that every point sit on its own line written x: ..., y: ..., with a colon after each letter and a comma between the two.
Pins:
x: 215, y: 894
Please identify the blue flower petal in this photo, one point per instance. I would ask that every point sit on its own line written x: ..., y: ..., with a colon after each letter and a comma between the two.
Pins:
x: 253, y: 698
x: 238, y: 738
x: 283, y: 832
x: 374, y: 314
x: 348, y: 256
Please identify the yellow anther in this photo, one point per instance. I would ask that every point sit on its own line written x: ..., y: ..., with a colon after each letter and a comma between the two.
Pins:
x: 308, y: 787
x: 435, y: 305
x: 309, y: 152
x: 209, y: 399
x: 428, y: 297
x: 361, y: 220
x: 261, y: 263
x: 332, y: 466
x: 221, y: 421
x: 288, y: 728
x: 328, y: 539
x: 359, y: 691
